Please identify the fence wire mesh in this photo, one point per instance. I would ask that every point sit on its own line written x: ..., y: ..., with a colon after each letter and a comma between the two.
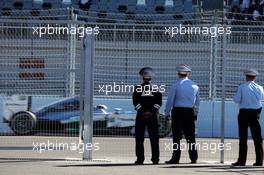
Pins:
x: 46, y: 71
x: 35, y: 74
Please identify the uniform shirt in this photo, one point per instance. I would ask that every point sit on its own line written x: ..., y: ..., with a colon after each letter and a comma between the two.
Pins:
x: 183, y: 93
x: 146, y: 98
x: 249, y: 95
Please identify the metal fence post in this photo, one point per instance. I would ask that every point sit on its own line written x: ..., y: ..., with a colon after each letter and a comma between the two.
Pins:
x: 73, y: 39
x: 213, y: 60
x: 213, y: 70
x: 88, y: 95
x: 223, y: 96
x: 71, y: 56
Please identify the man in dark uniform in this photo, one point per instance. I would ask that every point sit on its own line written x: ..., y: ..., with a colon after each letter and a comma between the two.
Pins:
x: 85, y: 4
x: 249, y: 96
x: 183, y: 103
x: 147, y: 101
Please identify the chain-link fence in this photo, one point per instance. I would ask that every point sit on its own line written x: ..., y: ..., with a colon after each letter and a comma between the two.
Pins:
x: 42, y: 76
x: 211, y: 58
x: 36, y: 73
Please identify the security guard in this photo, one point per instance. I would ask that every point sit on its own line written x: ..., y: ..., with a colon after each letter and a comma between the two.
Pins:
x: 183, y: 103
x: 249, y: 96
x: 147, y: 102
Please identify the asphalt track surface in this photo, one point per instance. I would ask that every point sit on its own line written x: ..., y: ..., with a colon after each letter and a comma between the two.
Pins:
x: 21, y: 155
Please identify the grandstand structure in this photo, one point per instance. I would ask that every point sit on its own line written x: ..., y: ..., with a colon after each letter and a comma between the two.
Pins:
x: 131, y: 36
x: 99, y: 8
x: 115, y: 18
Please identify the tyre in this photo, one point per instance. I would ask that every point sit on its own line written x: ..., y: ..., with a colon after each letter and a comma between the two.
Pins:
x: 23, y: 123
x: 132, y: 131
x: 164, y: 126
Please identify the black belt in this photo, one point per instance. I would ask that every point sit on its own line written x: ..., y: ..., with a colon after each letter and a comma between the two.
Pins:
x: 250, y: 110
x: 182, y: 108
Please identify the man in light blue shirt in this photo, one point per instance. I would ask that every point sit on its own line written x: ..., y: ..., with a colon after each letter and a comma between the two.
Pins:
x: 248, y: 97
x: 183, y: 104
x: 183, y: 93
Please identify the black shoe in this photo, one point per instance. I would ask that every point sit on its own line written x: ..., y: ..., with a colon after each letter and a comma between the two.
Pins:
x: 138, y: 162
x: 172, y: 161
x: 258, y: 164
x: 193, y: 161
x: 155, y: 162
x: 238, y: 164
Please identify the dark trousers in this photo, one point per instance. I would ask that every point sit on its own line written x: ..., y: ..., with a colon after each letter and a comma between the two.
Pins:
x: 249, y: 118
x: 153, y: 130
x: 183, y: 122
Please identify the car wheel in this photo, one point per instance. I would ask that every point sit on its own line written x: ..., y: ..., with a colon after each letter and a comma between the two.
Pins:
x: 23, y: 123
x: 132, y: 130
x: 164, y: 126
